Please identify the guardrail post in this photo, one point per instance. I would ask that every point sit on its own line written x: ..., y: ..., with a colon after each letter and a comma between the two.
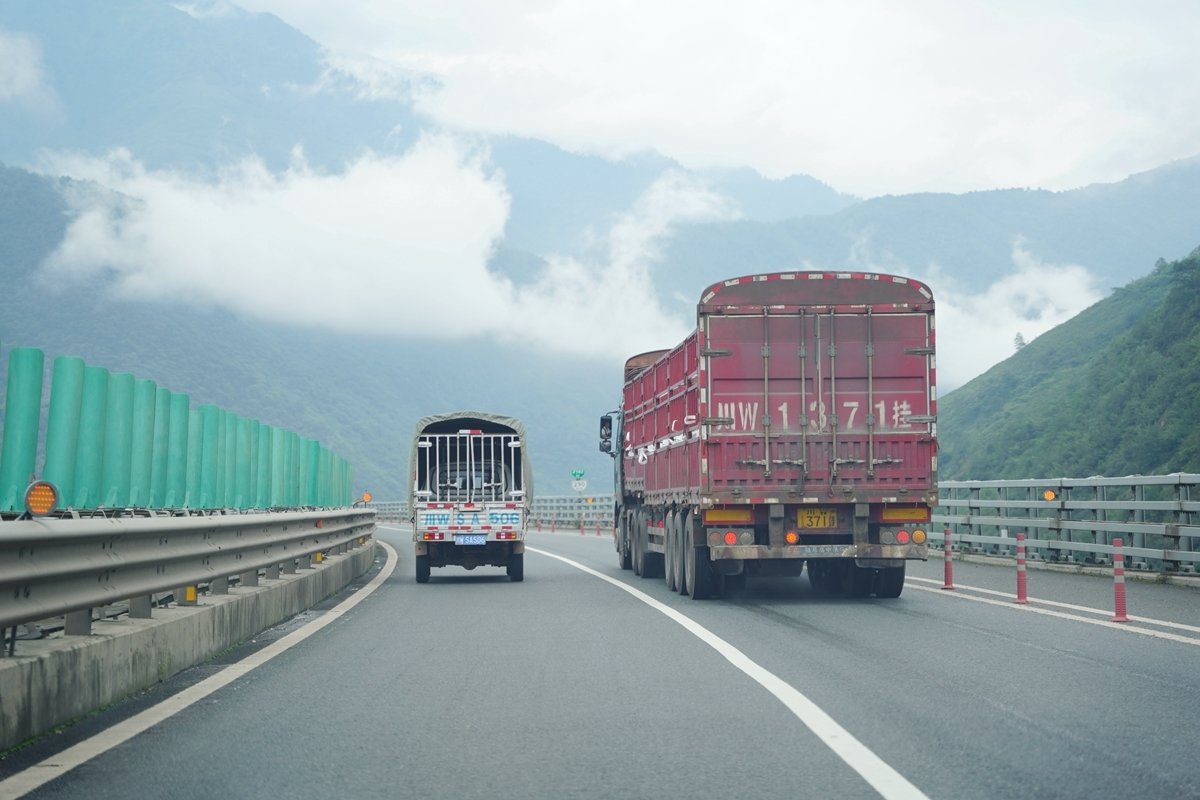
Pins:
x: 272, y: 572
x: 248, y: 578
x: 139, y: 607
x: 186, y: 595
x: 1022, y: 596
x: 1119, y: 582
x: 78, y: 623
x: 219, y: 585
x: 948, y: 579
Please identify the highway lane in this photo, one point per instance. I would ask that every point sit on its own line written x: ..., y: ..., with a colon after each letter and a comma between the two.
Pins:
x: 566, y: 686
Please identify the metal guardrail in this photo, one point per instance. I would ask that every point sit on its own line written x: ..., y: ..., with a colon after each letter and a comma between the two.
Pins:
x: 72, y: 564
x: 1156, y: 516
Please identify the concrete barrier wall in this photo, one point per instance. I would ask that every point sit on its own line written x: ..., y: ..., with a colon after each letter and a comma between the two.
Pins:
x: 52, y: 681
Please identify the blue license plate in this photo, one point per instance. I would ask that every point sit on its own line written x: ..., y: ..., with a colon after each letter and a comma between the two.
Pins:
x: 470, y: 538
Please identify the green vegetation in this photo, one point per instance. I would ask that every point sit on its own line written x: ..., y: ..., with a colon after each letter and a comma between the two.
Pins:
x: 1115, y: 391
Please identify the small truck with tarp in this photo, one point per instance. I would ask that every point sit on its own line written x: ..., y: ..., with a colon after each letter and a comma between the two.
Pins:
x: 796, y: 425
x: 472, y: 488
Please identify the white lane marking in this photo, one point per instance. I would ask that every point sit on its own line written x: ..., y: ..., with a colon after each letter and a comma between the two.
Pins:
x: 61, y: 763
x: 1117, y: 626
x: 885, y: 780
x: 1162, y: 623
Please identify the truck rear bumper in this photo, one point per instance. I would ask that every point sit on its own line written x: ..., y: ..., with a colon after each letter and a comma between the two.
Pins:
x: 748, y: 552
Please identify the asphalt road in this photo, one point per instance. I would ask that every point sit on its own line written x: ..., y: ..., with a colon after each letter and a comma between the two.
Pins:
x: 568, y: 686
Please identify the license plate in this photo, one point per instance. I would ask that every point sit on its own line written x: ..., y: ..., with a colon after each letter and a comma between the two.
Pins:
x: 816, y: 518
x: 470, y: 538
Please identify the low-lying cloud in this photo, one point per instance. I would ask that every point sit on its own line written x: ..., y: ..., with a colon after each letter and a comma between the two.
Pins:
x: 976, y: 331
x: 393, y: 246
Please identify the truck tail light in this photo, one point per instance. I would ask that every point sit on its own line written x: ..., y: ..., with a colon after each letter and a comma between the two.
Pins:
x: 918, y: 536
x: 433, y: 536
x: 792, y: 537
x: 902, y: 537
x: 730, y: 537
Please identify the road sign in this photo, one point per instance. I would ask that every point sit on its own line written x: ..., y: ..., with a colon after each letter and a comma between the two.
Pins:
x: 578, y: 484
x: 577, y: 474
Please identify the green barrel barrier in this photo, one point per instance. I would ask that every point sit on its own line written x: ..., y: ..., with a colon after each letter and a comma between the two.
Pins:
x: 22, y: 418
x: 62, y: 426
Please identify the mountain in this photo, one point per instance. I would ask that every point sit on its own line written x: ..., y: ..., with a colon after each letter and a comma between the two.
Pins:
x: 1114, y: 391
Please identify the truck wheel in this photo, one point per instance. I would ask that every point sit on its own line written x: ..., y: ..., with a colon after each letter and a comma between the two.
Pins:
x: 681, y: 523
x: 860, y: 581
x: 697, y: 567
x: 637, y: 541
x: 669, y: 564
x: 891, y: 582
x: 423, y: 569
x: 624, y: 558
x: 516, y: 567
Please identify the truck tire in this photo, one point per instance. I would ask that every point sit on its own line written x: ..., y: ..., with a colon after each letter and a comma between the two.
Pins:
x: 677, y: 548
x: 890, y: 582
x: 516, y: 567
x: 697, y: 566
x: 423, y: 569
x: 681, y: 522
x: 670, y: 566
x: 637, y: 542
x: 859, y: 581
x: 624, y: 557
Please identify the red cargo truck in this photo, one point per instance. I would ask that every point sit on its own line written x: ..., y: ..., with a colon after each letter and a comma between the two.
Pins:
x: 796, y: 425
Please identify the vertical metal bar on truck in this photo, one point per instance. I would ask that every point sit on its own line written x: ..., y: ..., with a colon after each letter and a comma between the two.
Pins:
x: 833, y: 415
x: 766, y: 418
x: 870, y: 394
x: 802, y: 352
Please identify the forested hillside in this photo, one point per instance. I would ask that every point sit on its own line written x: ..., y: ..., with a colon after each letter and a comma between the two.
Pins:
x: 1115, y: 391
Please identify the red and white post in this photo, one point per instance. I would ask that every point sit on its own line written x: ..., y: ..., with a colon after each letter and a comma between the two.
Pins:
x: 948, y: 581
x: 1119, y: 583
x: 1022, y: 586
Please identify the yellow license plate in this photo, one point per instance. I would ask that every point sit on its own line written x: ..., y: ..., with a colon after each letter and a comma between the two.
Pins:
x: 816, y: 518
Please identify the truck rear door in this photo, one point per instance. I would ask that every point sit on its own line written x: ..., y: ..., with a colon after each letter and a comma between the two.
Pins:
x: 798, y: 395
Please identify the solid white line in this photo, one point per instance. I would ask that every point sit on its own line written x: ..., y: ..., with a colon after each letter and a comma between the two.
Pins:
x: 885, y: 780
x: 1117, y: 626
x: 61, y: 763
x: 1162, y: 623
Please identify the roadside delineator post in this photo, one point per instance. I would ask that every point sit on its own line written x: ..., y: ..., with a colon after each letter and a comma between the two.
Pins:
x: 948, y: 582
x: 1119, y: 582
x: 1022, y: 587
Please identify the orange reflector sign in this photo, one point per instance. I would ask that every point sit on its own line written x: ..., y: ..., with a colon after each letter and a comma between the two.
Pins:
x: 40, y: 498
x: 716, y: 516
x: 906, y: 514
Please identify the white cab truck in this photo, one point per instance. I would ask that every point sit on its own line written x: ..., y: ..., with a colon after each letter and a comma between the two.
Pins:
x: 472, y: 488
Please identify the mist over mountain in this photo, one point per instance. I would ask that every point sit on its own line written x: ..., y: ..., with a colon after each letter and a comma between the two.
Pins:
x: 200, y: 196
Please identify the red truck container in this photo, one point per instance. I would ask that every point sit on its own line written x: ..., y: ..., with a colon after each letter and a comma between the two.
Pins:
x: 796, y: 425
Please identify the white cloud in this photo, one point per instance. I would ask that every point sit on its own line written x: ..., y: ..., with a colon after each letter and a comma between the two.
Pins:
x: 977, y: 330
x: 871, y: 96
x: 393, y: 246
x: 22, y: 76
x: 608, y: 304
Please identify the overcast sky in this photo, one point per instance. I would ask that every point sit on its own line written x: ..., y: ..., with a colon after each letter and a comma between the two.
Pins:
x: 871, y: 96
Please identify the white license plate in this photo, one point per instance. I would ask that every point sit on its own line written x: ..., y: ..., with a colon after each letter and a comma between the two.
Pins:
x: 470, y: 538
